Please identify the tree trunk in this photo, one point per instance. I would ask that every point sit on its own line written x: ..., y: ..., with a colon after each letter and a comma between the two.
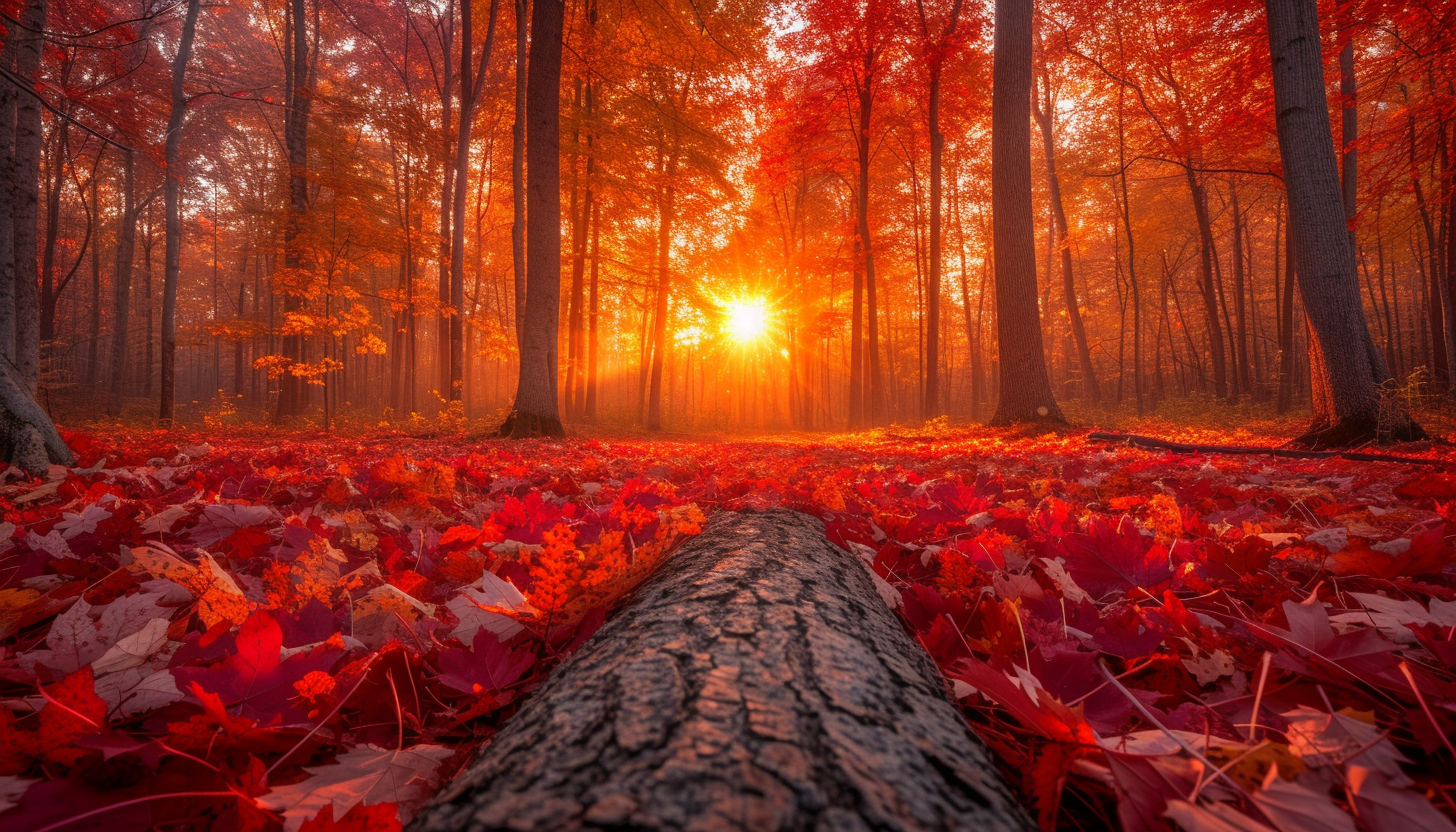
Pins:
x: 593, y: 313
x: 471, y: 87
x: 1018, y: 322
x: 576, y: 332
x: 1241, y: 314
x: 1209, y: 290
x: 93, y: 359
x: 518, y: 180
x: 25, y: 201
x: 28, y: 439
x: 1348, y: 407
x: 1063, y: 246
x: 299, y: 99
x: 931, y: 406
x: 666, y: 210
x: 121, y: 284
x: 535, y: 411
x: 757, y: 683
x: 173, y: 198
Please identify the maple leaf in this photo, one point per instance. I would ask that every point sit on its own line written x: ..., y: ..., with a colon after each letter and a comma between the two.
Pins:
x: 218, y: 596
x: 489, y: 665
x: 1360, y: 655
x: 1107, y: 560
x: 218, y: 522
x: 255, y: 676
x: 366, y: 775
x: 484, y: 606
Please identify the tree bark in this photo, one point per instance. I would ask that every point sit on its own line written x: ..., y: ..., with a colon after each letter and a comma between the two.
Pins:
x: 518, y: 179
x: 1348, y: 406
x: 757, y: 683
x: 1209, y: 291
x: 666, y: 214
x: 299, y: 100
x: 1018, y: 321
x: 1286, y: 325
x: 535, y: 411
x: 121, y: 284
x: 172, y: 263
x: 25, y: 199
x: 28, y: 439
x: 472, y: 85
x: 1062, y: 244
x: 589, y: 408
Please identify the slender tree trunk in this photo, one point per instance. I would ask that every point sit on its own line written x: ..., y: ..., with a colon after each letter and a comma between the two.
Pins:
x: 52, y: 222
x: 1209, y: 289
x: 172, y: 264
x: 1348, y: 404
x: 299, y: 100
x: 576, y: 333
x: 1241, y: 319
x: 593, y: 336
x: 535, y: 411
x: 121, y: 285
x: 1286, y: 326
x: 472, y: 84
x: 931, y: 405
x: 1028, y: 398
x: 93, y: 360
x: 1063, y: 246
x: 857, y: 417
x: 666, y: 209
x: 518, y: 177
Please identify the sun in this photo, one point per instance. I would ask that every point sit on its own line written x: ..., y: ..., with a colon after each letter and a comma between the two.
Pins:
x: 745, y: 319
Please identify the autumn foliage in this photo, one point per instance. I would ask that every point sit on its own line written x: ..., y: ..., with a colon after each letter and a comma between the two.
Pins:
x: 313, y: 633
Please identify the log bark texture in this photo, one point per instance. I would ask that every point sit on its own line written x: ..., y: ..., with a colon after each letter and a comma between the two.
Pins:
x: 756, y: 682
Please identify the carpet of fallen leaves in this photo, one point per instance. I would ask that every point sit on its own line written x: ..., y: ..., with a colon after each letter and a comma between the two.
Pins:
x: 263, y: 631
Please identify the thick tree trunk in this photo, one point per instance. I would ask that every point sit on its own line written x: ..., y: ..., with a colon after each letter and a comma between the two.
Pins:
x: 25, y: 202
x: 1028, y: 398
x: 1348, y: 407
x: 535, y: 412
x: 758, y: 682
x: 172, y: 264
x: 28, y: 439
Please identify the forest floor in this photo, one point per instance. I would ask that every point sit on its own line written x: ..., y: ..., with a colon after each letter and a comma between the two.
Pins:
x: 247, y: 629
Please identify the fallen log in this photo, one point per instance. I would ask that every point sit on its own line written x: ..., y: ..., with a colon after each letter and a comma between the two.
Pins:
x: 756, y: 682
x: 1149, y: 443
